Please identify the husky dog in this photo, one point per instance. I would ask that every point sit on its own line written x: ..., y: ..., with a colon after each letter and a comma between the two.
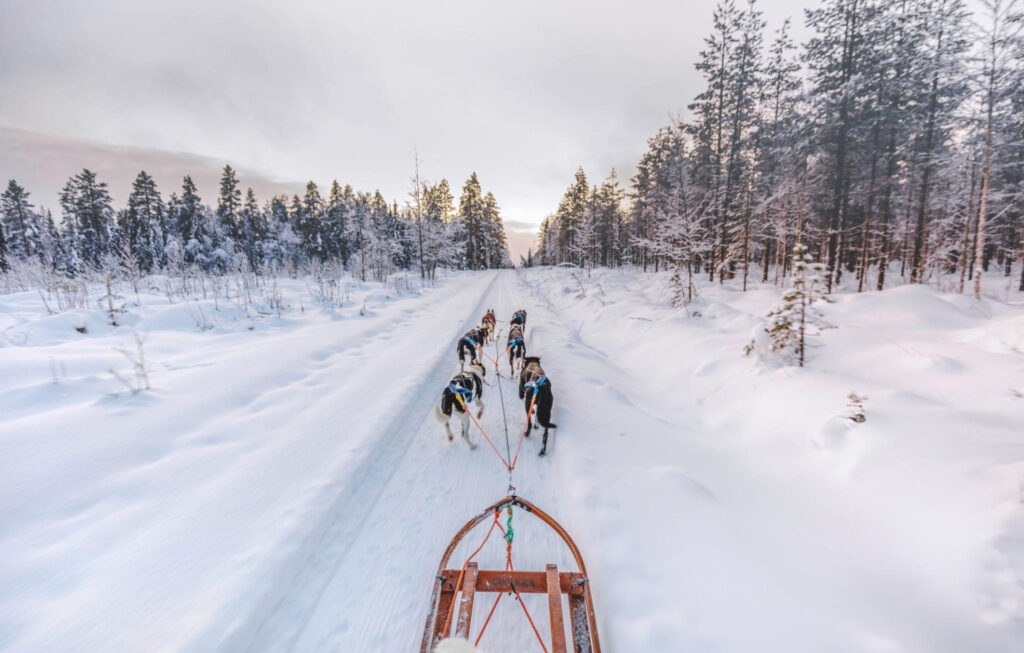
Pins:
x: 516, y: 347
x: 469, y: 346
x: 535, y: 391
x: 488, y: 323
x: 519, y: 317
x: 464, y: 389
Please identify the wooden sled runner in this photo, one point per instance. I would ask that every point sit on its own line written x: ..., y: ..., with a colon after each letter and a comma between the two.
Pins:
x: 470, y: 581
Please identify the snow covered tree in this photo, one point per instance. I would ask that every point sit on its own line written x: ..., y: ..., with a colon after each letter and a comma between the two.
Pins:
x: 254, y: 230
x: 142, y: 226
x: 797, y: 317
x: 229, y: 205
x: 20, y: 224
x: 996, y: 79
x: 188, y: 223
x: 309, y: 223
x: 4, y: 266
x: 339, y: 204
x: 85, y: 202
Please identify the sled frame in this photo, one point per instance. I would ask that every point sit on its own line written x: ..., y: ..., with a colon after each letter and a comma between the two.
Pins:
x: 582, y: 621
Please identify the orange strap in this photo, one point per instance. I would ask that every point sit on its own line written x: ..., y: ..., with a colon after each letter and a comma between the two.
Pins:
x: 468, y: 412
x: 462, y: 573
x: 529, y: 413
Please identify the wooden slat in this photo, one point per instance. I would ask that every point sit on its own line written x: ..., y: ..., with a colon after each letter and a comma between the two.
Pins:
x: 555, y: 610
x: 578, y: 623
x: 466, y: 605
x: 444, y: 603
x: 527, y: 582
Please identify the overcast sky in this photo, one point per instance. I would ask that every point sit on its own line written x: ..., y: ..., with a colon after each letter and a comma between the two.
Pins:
x: 520, y: 92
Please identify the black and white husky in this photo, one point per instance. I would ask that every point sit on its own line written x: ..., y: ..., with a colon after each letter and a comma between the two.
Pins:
x: 535, y: 391
x: 516, y: 347
x: 465, y: 389
x: 469, y: 348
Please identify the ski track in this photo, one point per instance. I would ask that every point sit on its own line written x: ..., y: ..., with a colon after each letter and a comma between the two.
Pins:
x: 366, y: 585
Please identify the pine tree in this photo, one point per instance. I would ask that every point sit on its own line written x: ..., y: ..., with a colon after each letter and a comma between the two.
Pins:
x: 335, y: 230
x: 187, y: 221
x: 471, y: 214
x: 254, y: 230
x: 4, y: 265
x: 797, y: 317
x: 142, y: 226
x: 1002, y: 43
x: 310, y: 223
x: 86, y: 204
x: 20, y: 224
x: 229, y: 205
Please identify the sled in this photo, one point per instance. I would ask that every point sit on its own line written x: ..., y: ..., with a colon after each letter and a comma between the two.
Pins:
x: 471, y: 581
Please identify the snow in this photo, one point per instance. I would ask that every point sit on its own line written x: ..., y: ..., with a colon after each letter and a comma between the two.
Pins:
x: 284, y: 486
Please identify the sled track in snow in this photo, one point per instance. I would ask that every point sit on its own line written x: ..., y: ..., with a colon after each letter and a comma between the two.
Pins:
x: 300, y: 586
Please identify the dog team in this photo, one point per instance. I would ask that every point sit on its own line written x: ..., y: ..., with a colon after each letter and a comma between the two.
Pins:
x: 465, y: 390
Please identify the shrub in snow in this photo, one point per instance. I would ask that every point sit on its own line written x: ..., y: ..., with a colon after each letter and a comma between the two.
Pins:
x: 139, y: 380
x: 112, y: 302
x: 855, y: 408
x: 797, y: 317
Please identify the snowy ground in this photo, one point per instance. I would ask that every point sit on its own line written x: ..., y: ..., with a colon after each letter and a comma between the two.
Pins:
x: 283, y: 486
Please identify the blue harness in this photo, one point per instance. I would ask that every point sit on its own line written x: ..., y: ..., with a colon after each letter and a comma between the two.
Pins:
x: 472, y: 343
x: 520, y: 316
x: 465, y: 393
x: 513, y: 343
x: 536, y: 384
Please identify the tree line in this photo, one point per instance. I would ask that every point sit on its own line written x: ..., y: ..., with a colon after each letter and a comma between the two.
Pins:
x: 362, y: 231
x: 890, y: 143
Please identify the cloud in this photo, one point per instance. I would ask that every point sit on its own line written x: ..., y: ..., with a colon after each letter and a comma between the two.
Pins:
x: 42, y: 164
x: 521, y: 93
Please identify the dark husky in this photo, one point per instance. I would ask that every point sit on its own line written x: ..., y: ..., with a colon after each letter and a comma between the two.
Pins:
x: 519, y: 317
x: 464, y: 389
x: 516, y: 347
x: 535, y: 391
x: 469, y: 346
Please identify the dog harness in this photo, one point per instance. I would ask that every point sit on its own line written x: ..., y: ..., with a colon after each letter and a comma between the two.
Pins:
x: 516, y: 341
x: 536, y: 384
x: 472, y: 343
x: 465, y: 393
x: 518, y: 316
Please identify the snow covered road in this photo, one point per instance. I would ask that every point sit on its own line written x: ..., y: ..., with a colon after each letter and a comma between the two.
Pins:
x: 367, y: 586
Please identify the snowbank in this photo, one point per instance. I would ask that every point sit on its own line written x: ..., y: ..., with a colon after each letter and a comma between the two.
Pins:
x: 729, y: 503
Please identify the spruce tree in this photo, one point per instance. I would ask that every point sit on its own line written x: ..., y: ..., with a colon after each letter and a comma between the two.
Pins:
x: 86, y: 204
x: 20, y: 223
x: 142, y: 225
x: 229, y: 205
x: 471, y: 214
x: 187, y: 221
x: 797, y: 317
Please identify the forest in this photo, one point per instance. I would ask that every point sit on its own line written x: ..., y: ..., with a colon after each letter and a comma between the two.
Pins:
x: 362, y: 232
x: 890, y: 143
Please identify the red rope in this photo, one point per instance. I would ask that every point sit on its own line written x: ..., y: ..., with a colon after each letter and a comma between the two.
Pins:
x: 509, y: 567
x: 458, y: 583
x: 465, y: 408
x: 522, y: 436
